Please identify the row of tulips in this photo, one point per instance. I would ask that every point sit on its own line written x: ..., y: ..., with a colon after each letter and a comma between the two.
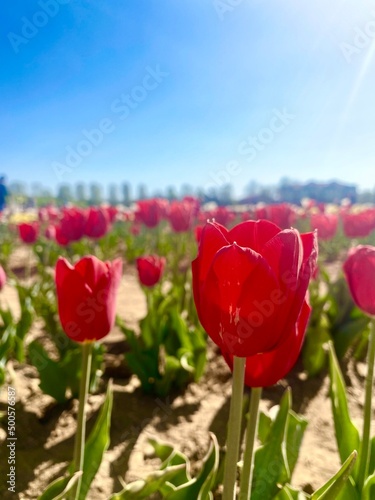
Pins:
x: 71, y: 224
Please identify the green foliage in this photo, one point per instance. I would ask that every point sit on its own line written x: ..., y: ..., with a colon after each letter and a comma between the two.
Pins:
x: 95, y: 447
x: 338, y: 487
x: 173, y: 480
x: 59, y: 375
x: 13, y: 331
x: 334, y: 318
x: 168, y: 353
x: 59, y: 488
x: 275, y: 460
x: 281, y: 437
x: 97, y: 444
x: 347, y: 436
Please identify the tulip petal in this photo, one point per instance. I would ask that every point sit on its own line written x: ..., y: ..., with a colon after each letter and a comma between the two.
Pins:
x: 63, y: 269
x: 359, y: 269
x: 253, y: 234
x: 92, y: 269
x: 237, y: 281
x: 265, y: 369
x: 213, y: 238
x: 284, y: 253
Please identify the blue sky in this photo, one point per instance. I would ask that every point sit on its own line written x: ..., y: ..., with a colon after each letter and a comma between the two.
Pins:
x: 196, y: 91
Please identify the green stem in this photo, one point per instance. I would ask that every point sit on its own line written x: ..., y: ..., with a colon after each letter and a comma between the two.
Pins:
x: 234, y: 429
x: 251, y: 432
x: 79, y: 445
x: 364, y: 455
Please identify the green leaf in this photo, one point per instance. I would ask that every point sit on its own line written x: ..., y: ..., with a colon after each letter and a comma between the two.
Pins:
x: 348, y: 334
x: 333, y: 487
x: 371, y: 468
x: 290, y: 493
x: 200, y: 487
x: 143, y: 488
x: 296, y: 429
x: 368, y: 492
x: 96, y: 444
x: 314, y: 352
x: 169, y: 457
x: 264, y: 427
x: 171, y: 367
x: 147, y: 331
x: 52, y: 375
x: 144, y: 364
x: 271, y: 465
x: 7, y: 341
x: 347, y: 435
x: 199, y: 340
x: 58, y: 489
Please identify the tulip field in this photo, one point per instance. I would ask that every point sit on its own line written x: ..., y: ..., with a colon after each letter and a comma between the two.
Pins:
x: 184, y: 351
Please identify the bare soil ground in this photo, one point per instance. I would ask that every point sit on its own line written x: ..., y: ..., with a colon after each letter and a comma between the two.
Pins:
x: 45, y: 431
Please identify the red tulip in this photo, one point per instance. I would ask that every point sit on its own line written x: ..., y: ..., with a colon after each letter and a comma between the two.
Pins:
x: 86, y: 296
x: 281, y: 214
x: 326, y: 224
x: 29, y: 232
x: 222, y: 215
x: 267, y: 368
x: 72, y: 226
x: 180, y: 216
x: 150, y: 269
x: 247, y: 215
x: 149, y: 212
x: 61, y: 237
x: 112, y: 213
x: 250, y: 287
x: 3, y: 277
x: 194, y: 202
x: 358, y: 225
x: 97, y: 223
x: 359, y: 271
x: 261, y: 212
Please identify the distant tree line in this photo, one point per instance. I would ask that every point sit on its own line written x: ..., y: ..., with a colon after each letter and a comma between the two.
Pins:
x: 94, y: 193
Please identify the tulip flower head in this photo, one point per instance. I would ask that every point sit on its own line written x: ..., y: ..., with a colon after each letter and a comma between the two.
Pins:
x: 358, y: 225
x: 250, y: 287
x: 150, y: 269
x: 71, y: 226
x: 149, y: 212
x: 181, y: 216
x: 359, y: 269
x: 326, y: 224
x: 86, y: 296
x: 28, y: 232
x: 97, y: 223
